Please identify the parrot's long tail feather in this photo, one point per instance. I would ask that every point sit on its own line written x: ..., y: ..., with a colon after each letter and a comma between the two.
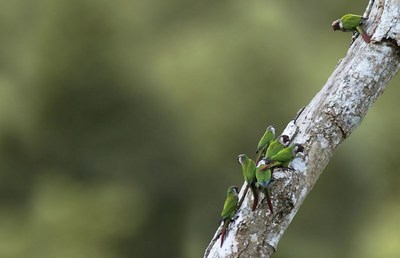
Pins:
x: 255, y: 196
x: 363, y: 34
x: 223, y: 231
x: 267, y: 166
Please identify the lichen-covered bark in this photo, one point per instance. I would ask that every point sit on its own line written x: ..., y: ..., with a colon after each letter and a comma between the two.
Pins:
x: 358, y: 80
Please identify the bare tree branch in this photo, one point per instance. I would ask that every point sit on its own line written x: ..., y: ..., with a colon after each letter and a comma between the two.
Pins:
x: 358, y: 80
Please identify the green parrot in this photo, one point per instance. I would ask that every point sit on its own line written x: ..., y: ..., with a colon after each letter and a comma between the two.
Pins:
x: 249, y: 174
x: 283, y: 157
x: 229, y: 210
x: 352, y: 22
x: 277, y: 145
x: 263, y: 180
x: 264, y: 142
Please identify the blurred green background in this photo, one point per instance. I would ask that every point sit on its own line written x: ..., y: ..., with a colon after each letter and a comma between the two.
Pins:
x: 121, y: 121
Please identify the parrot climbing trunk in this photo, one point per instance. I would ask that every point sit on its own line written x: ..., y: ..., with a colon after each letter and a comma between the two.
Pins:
x: 255, y: 196
x: 363, y: 34
x: 229, y: 210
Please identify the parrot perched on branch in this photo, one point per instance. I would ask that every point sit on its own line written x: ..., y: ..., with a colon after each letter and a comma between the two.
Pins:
x: 264, y: 142
x: 352, y: 22
x: 249, y: 174
x: 229, y: 210
x: 263, y: 180
x: 283, y: 157
x: 277, y: 145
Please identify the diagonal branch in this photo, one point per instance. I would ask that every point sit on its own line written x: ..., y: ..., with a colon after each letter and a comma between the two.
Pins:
x: 356, y: 83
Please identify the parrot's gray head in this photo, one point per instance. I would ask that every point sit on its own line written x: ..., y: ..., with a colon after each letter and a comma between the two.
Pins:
x: 242, y: 158
x: 284, y: 139
x: 271, y: 128
x: 233, y: 190
x: 298, y: 148
x: 337, y: 25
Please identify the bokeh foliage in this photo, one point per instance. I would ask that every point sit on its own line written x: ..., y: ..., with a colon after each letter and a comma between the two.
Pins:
x: 121, y: 121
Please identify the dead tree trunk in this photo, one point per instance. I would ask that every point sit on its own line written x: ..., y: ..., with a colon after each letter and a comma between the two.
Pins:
x: 358, y: 80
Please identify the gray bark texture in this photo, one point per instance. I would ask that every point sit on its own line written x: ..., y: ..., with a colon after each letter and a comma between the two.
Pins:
x: 358, y: 80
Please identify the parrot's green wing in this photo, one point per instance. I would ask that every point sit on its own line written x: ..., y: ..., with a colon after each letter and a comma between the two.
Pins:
x: 267, y: 137
x: 263, y: 176
x: 283, y: 155
x: 251, y: 171
x: 244, y: 171
x: 351, y: 21
x: 229, y: 207
x: 274, y: 148
x: 248, y: 169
